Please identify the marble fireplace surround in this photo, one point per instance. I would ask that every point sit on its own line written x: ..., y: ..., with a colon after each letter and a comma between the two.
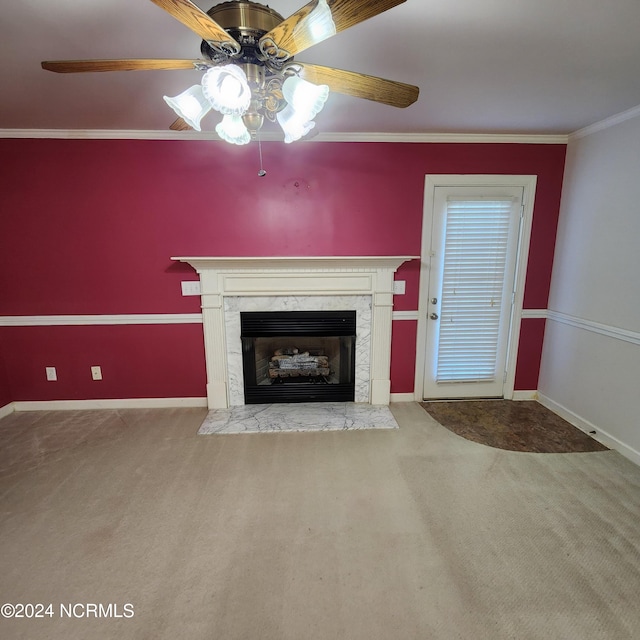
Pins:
x: 231, y: 285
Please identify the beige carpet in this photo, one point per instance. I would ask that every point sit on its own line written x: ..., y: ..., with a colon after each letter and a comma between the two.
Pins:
x: 375, y: 534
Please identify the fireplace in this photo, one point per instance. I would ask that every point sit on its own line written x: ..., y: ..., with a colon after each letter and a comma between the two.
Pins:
x: 298, y: 356
x: 231, y: 286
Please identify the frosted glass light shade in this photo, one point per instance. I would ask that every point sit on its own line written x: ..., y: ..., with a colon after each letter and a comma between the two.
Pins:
x: 190, y: 105
x: 227, y: 89
x: 306, y: 98
x: 319, y: 23
x: 233, y: 130
x: 293, y: 125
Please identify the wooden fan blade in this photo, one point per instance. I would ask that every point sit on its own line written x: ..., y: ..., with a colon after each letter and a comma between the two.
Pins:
x: 180, y: 125
x: 295, y: 34
x: 133, y: 64
x: 395, y: 94
x: 201, y: 24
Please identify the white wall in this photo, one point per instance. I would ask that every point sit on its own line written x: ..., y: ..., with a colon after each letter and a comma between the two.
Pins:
x: 590, y: 369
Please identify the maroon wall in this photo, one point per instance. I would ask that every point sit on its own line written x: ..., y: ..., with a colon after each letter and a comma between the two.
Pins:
x: 529, y: 353
x: 89, y: 226
x: 6, y: 396
x: 139, y: 361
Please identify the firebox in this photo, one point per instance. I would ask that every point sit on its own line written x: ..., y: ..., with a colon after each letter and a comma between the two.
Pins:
x: 298, y: 356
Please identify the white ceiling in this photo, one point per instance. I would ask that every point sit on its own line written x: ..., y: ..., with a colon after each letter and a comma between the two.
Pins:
x: 483, y: 66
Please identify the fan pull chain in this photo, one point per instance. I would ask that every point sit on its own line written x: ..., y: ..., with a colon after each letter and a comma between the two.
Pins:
x: 262, y: 173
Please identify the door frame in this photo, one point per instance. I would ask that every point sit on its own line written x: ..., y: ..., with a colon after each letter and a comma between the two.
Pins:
x: 528, y: 184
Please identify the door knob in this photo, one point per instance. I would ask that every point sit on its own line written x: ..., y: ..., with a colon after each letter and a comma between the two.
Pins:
x: 433, y: 316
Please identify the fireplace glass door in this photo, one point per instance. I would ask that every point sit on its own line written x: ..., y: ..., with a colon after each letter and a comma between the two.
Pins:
x: 298, y: 356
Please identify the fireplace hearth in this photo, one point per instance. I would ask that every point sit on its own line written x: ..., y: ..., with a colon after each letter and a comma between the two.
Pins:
x: 298, y: 356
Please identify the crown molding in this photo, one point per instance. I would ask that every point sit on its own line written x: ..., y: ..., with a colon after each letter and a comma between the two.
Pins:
x: 113, y: 134
x: 611, y: 121
x: 478, y: 138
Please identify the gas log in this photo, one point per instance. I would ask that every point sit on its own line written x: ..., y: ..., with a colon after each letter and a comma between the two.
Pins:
x: 289, y: 363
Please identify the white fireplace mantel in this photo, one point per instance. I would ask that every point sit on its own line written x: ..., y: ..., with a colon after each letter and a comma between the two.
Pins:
x: 283, y: 277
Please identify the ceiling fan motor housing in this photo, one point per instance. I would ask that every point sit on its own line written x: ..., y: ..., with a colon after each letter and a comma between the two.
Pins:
x: 245, y: 21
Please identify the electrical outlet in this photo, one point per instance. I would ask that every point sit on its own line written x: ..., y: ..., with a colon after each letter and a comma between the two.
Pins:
x: 51, y: 373
x: 96, y: 373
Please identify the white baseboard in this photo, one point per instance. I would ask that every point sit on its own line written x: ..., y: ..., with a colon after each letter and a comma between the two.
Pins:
x: 584, y: 425
x: 412, y: 397
x: 525, y: 395
x: 126, y: 403
x: 402, y: 397
x: 7, y: 409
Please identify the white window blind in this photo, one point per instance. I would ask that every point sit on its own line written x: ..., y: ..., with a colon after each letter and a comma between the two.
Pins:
x: 475, y: 257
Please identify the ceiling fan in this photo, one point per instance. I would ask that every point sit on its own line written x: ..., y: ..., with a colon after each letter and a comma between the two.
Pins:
x: 249, y: 70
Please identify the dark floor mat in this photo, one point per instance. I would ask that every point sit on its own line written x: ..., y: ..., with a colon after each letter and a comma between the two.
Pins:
x: 515, y: 426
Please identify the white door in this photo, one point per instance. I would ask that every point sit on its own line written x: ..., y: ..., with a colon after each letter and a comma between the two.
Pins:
x: 472, y: 265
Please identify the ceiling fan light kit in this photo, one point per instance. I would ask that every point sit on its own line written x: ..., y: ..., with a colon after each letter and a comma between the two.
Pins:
x: 293, y: 125
x: 319, y: 23
x: 249, y: 70
x: 232, y: 129
x: 306, y: 98
x: 227, y: 89
x: 191, y: 105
